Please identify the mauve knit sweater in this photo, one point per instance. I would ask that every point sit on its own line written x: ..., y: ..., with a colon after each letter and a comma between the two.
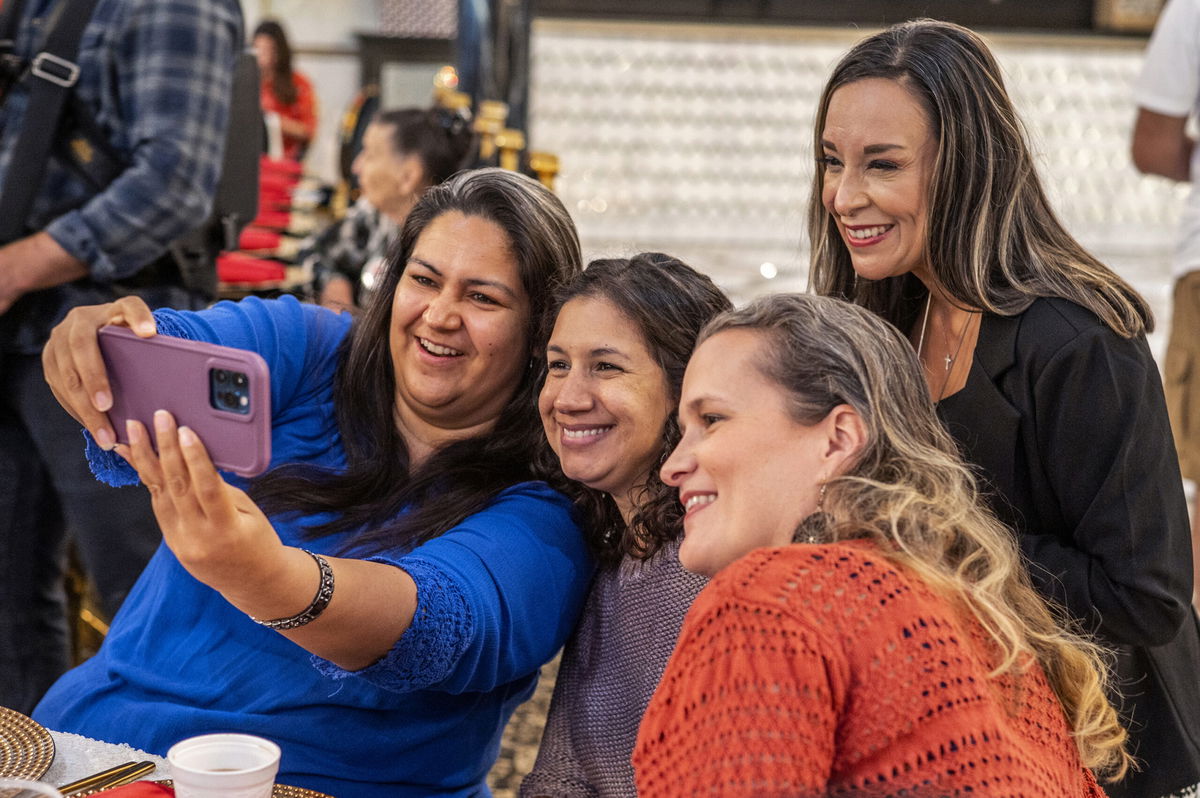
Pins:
x: 609, y: 670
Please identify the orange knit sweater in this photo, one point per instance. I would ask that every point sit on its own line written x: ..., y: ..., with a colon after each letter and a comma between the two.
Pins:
x: 829, y: 670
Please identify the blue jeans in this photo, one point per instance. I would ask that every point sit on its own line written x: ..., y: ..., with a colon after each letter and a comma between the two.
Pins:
x: 46, y: 493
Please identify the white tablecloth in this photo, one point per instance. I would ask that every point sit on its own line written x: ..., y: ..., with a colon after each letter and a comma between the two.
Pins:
x: 76, y: 756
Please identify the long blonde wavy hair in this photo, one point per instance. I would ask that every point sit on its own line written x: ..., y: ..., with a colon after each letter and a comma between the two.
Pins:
x: 993, y: 240
x: 909, y: 491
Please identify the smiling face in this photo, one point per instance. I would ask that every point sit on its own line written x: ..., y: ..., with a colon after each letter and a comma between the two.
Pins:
x: 605, y: 401
x: 747, y: 472
x: 878, y: 157
x: 459, y: 327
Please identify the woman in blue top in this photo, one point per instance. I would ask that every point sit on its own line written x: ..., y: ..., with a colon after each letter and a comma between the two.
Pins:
x: 402, y: 447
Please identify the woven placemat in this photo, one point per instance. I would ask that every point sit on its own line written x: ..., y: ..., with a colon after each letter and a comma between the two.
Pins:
x: 286, y: 791
x: 26, y: 748
x: 279, y: 791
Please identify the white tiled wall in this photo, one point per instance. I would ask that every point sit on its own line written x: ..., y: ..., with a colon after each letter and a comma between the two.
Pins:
x: 695, y: 140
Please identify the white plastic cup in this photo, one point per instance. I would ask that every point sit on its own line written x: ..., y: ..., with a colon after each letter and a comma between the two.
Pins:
x: 23, y: 787
x: 224, y: 766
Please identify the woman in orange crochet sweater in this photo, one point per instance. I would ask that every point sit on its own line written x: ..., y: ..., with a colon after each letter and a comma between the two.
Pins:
x: 870, y: 629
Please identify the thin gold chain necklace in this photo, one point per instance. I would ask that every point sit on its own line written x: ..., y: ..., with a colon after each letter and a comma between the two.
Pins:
x: 949, y: 358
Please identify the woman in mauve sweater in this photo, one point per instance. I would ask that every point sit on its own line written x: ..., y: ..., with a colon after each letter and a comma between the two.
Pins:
x: 869, y: 629
x: 624, y: 331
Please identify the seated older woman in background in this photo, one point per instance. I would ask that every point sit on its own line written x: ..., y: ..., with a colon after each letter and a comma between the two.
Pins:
x: 870, y: 629
x: 404, y: 151
x: 401, y: 495
x: 614, y: 365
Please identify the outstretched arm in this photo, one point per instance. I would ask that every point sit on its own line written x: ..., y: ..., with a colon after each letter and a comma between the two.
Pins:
x: 221, y: 537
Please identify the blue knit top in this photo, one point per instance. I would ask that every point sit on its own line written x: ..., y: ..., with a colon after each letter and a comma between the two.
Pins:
x: 497, y: 596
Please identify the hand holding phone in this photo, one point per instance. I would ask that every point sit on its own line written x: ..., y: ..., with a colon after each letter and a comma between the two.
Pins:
x: 223, y: 394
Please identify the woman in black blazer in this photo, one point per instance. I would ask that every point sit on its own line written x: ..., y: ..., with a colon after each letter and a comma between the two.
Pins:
x: 927, y: 209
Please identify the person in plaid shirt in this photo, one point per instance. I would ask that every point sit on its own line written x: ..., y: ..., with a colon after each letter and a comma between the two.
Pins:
x: 343, y: 257
x: 156, y: 76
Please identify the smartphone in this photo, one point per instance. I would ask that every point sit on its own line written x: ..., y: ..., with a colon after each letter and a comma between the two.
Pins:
x: 222, y: 393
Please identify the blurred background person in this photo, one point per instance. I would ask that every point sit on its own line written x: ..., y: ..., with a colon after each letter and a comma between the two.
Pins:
x: 624, y: 331
x: 1167, y: 92
x: 286, y: 93
x: 404, y: 152
x: 151, y: 106
x: 927, y: 209
x: 870, y: 629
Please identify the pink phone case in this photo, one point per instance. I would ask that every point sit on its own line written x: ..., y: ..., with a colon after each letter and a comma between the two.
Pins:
x: 177, y: 375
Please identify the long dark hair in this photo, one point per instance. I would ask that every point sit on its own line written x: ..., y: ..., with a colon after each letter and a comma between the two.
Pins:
x: 993, y: 240
x: 283, y: 85
x: 669, y: 303
x: 439, y: 137
x: 461, y: 478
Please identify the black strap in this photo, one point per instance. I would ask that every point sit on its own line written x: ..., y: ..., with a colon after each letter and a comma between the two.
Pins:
x: 10, y: 62
x: 10, y: 12
x: 52, y: 74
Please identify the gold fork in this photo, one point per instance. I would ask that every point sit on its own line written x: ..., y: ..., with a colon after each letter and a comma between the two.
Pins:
x: 105, y: 779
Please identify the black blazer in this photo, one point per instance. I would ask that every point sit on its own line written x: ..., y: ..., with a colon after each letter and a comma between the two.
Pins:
x: 1068, y: 427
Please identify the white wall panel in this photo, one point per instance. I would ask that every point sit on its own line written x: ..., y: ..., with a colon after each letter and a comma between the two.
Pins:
x: 696, y: 140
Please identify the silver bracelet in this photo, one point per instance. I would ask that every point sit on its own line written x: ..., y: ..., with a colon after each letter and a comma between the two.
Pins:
x: 319, y: 602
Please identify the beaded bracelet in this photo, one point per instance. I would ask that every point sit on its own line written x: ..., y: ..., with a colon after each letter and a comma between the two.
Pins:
x: 319, y: 602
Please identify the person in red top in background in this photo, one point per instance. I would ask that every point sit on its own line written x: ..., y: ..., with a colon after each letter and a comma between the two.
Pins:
x: 870, y: 629
x: 285, y: 91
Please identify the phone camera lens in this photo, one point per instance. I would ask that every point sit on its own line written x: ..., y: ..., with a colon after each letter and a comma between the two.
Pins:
x: 228, y: 390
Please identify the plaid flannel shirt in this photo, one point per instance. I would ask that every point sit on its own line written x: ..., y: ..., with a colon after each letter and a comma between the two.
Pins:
x: 157, y: 75
x: 347, y: 246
